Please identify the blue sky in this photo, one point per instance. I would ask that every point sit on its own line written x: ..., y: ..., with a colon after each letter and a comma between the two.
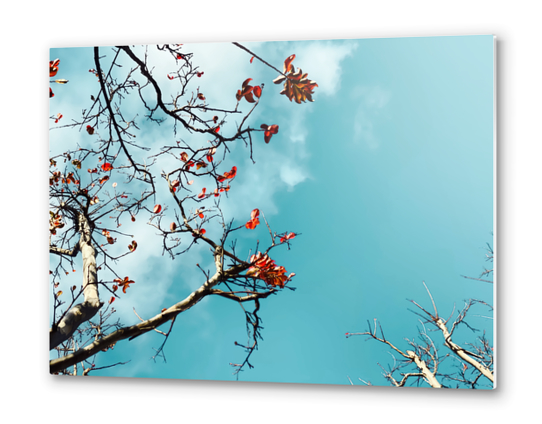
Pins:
x: 388, y: 175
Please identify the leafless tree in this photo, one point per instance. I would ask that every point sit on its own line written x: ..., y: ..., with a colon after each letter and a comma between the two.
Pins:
x: 422, y: 361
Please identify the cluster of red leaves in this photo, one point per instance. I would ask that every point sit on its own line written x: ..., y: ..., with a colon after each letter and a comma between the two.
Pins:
x: 53, y: 69
x: 55, y: 221
x: 228, y: 175
x: 123, y: 283
x: 70, y: 178
x: 265, y: 269
x: 110, y: 239
x: 284, y: 237
x: 269, y: 130
x: 254, y: 221
x: 248, y: 92
x: 296, y: 84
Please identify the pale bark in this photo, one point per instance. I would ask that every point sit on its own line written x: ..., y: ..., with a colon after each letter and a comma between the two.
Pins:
x: 462, y: 353
x: 133, y: 331
x: 84, y: 311
x: 426, y: 372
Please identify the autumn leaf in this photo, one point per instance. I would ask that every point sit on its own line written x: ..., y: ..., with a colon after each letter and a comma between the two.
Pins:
x: 257, y: 91
x: 201, y: 164
x: 107, y: 167
x: 173, y: 226
x: 53, y: 67
x: 58, y: 117
x: 201, y: 96
x: 202, y: 194
x: 184, y: 156
x: 90, y: 130
x: 51, y: 94
x: 157, y: 208
x: 103, y: 179
x: 246, y: 92
x: 297, y: 86
x: 111, y: 300
x: 230, y: 174
x: 254, y: 221
x: 124, y: 283
x: 286, y: 237
x: 199, y: 74
x: 264, y: 268
x: 199, y: 232
x: 269, y: 130
x: 132, y: 246
x: 170, y: 77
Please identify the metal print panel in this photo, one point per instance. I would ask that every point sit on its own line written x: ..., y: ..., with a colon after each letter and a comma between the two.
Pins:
x: 295, y: 212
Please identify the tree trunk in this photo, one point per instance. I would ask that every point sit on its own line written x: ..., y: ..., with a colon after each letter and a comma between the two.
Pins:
x: 84, y: 311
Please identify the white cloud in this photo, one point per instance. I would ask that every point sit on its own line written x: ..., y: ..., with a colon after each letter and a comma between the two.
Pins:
x: 372, y: 102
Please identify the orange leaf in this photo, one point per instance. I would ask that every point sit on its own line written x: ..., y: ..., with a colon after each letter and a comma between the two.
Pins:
x: 157, y: 209
x: 53, y: 67
x: 132, y: 246
x: 172, y: 226
x: 202, y: 194
x: 288, y: 67
x: 257, y: 91
x: 111, y: 300
x: 288, y: 236
x: 107, y: 167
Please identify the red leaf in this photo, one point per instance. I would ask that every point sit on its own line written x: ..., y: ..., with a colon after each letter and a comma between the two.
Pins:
x: 90, y: 130
x: 111, y: 300
x: 103, y: 179
x: 58, y: 118
x: 157, y: 209
x: 201, y: 96
x: 202, y: 194
x: 184, y: 156
x: 175, y: 183
x: 132, y: 246
x: 53, y: 67
x: 170, y: 77
x: 251, y: 59
x: 230, y: 174
x: 255, y: 213
x: 288, y: 67
x: 51, y: 94
x: 269, y: 131
x: 107, y: 167
x: 257, y: 91
x: 199, y: 74
x: 288, y: 236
